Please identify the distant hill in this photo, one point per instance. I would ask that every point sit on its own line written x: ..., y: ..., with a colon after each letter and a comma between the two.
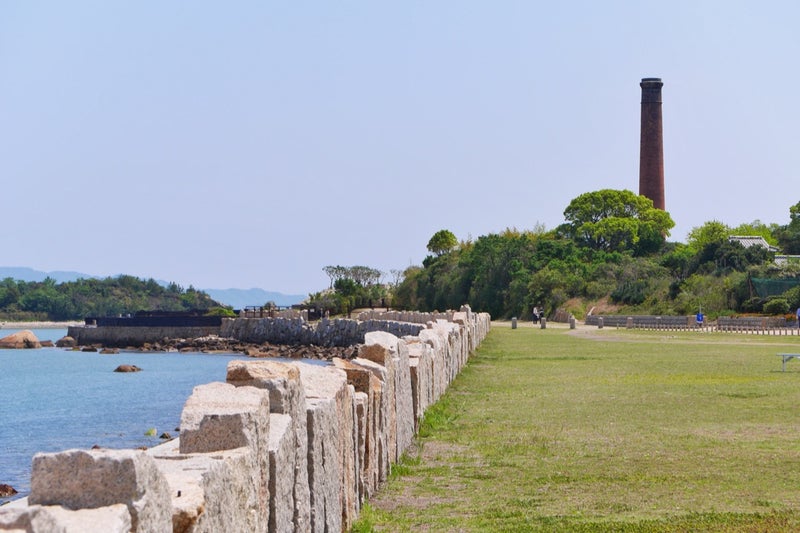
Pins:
x: 29, y: 274
x: 236, y: 298
x: 241, y: 298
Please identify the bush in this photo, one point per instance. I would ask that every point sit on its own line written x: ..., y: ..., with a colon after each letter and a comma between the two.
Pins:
x: 776, y: 306
x: 631, y: 292
x: 793, y: 297
x: 753, y: 305
x: 221, y: 311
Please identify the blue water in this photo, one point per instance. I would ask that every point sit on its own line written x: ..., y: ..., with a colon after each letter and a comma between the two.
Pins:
x: 53, y: 399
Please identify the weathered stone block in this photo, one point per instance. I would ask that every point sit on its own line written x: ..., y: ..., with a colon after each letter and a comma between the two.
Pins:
x: 327, y: 382
x: 377, y: 452
x: 88, y: 479
x: 57, y: 519
x: 287, y: 396
x: 388, y: 350
x: 324, y: 467
x: 220, y: 416
x: 365, y: 384
x: 281, y: 473
x: 421, y: 365
x: 210, y: 492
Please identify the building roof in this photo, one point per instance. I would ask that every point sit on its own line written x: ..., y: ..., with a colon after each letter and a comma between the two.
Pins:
x: 753, y: 240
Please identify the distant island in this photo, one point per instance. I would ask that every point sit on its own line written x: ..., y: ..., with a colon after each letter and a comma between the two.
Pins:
x: 236, y: 298
x: 241, y: 298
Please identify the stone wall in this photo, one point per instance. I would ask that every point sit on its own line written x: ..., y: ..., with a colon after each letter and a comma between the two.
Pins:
x: 124, y: 336
x: 279, y: 446
x: 326, y: 332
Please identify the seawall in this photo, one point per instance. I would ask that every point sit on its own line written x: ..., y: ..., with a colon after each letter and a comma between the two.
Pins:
x: 278, y: 446
x: 278, y: 330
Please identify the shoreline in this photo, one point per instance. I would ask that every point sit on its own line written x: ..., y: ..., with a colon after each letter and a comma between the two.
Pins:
x: 39, y: 325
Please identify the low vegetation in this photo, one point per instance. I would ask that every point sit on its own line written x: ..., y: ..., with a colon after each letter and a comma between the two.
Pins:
x: 606, y: 430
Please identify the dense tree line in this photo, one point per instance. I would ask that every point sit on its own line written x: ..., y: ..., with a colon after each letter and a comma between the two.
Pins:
x: 75, y: 300
x: 611, y: 251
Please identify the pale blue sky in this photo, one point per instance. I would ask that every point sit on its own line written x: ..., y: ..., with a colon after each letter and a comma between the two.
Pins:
x: 249, y: 144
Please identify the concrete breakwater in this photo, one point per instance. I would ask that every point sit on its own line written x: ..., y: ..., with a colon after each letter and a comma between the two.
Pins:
x: 279, y: 446
x: 278, y: 330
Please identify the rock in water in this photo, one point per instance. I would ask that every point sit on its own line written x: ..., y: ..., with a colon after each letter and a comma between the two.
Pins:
x: 66, y: 342
x: 127, y: 368
x: 21, y: 339
x: 6, y: 490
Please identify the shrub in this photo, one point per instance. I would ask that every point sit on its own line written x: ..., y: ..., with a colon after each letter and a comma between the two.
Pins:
x: 776, y: 306
x: 753, y: 305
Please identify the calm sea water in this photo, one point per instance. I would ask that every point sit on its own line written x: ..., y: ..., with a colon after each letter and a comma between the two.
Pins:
x: 54, y: 399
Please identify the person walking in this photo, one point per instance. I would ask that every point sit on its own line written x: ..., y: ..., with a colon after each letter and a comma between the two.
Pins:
x: 798, y: 317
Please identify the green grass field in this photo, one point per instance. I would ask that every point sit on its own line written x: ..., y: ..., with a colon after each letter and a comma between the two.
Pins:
x: 606, y: 430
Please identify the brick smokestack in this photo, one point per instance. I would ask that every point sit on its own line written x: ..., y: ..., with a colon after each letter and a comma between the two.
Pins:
x: 651, y: 147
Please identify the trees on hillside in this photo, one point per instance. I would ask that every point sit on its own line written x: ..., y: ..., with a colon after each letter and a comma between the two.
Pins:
x: 616, y: 221
x: 611, y: 248
x: 75, y: 300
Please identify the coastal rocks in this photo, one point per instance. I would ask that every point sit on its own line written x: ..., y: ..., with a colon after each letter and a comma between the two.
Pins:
x: 127, y: 368
x: 19, y: 340
x: 109, y: 351
x: 6, y: 490
x: 320, y: 353
x: 66, y: 342
x: 262, y: 350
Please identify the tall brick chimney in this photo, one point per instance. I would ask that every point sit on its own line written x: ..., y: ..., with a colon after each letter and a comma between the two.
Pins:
x: 651, y: 147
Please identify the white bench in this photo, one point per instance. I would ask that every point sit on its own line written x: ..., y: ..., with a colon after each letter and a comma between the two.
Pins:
x: 785, y: 357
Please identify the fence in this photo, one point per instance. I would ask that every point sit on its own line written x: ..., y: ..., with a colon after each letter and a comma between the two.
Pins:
x: 752, y: 325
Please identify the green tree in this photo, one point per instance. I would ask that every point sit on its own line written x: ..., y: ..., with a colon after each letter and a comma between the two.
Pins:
x: 712, y: 232
x: 789, y: 236
x: 616, y: 220
x: 442, y: 242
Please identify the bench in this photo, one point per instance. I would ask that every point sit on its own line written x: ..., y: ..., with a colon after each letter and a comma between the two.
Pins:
x: 787, y: 356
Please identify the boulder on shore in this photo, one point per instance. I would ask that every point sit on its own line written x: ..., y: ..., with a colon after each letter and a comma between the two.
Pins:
x: 127, y: 368
x: 66, y: 342
x: 21, y: 339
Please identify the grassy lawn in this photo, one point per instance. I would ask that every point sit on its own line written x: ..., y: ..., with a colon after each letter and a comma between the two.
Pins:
x: 606, y: 430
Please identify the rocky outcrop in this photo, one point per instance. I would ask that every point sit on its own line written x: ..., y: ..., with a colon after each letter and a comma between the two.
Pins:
x: 66, y: 342
x: 21, y: 339
x: 280, y: 446
x: 6, y: 490
x: 127, y: 368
